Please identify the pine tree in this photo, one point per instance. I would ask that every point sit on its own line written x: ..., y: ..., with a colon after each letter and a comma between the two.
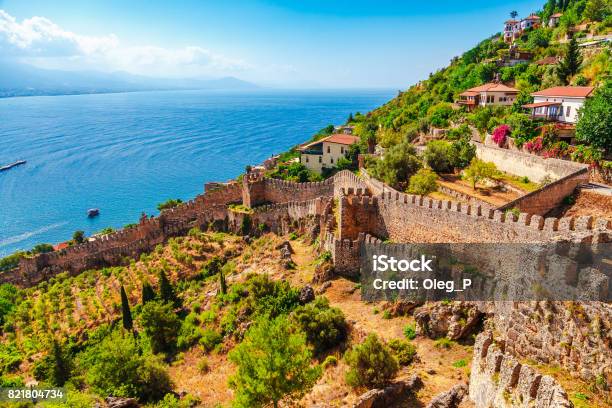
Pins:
x: 125, y: 309
x: 166, y: 291
x: 570, y: 65
x: 513, y: 14
x: 148, y: 293
x: 350, y: 118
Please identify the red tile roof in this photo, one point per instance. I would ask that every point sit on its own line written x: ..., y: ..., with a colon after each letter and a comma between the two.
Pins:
x: 547, y: 61
x: 492, y: 87
x: 338, y: 138
x: 532, y: 17
x: 567, y: 91
x: 341, y: 138
x: 60, y: 246
x: 557, y: 15
x: 540, y: 104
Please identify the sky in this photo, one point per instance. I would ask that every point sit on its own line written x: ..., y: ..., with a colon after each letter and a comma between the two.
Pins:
x: 301, y: 43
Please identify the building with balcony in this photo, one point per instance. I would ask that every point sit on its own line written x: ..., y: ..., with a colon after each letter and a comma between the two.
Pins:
x: 326, y: 152
x: 513, y: 29
x: 559, y: 103
x: 489, y: 94
x: 553, y: 20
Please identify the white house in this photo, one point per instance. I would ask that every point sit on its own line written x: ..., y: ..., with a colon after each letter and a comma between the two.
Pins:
x: 559, y: 103
x: 553, y: 20
x: 326, y: 152
x: 530, y: 22
x: 488, y: 94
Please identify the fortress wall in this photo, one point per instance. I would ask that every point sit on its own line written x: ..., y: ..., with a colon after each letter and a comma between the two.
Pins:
x: 409, y: 218
x: 357, y: 214
x: 550, y: 196
x: 280, y: 191
x: 499, y: 380
x: 464, y: 197
x: 524, y: 164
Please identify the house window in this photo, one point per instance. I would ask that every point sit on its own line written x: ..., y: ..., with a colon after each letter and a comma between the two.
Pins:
x: 320, y: 159
x: 306, y: 159
x: 342, y: 149
x: 328, y: 149
x: 568, y: 110
x: 332, y: 160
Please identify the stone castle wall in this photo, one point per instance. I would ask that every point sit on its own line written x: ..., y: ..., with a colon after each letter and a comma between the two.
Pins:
x: 499, y: 380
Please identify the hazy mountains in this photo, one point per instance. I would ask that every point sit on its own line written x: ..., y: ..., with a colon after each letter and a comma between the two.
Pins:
x: 26, y: 80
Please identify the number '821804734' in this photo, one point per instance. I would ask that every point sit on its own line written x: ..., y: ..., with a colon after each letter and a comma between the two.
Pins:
x: 29, y: 394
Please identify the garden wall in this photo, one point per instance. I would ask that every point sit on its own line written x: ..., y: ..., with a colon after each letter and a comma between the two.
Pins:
x: 524, y: 164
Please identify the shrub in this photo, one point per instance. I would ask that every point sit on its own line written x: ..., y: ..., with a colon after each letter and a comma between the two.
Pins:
x: 460, y: 363
x: 203, y: 365
x: 55, y: 367
x: 410, y: 332
x: 500, y: 135
x: 444, y: 342
x: 440, y: 156
x: 371, y: 363
x: 403, y: 350
x: 170, y: 203
x: 534, y: 145
x: 324, y: 326
x: 160, y: 324
x: 329, y: 361
x: 268, y: 297
x: 209, y: 339
x: 423, y: 182
x: 595, y: 119
x: 464, y: 153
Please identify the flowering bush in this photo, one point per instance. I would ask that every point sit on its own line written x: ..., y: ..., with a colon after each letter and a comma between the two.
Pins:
x: 534, y: 145
x: 500, y: 134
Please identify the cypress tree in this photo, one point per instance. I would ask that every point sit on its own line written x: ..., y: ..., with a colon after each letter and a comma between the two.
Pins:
x: 125, y: 309
x: 147, y: 292
x: 166, y: 292
x: 570, y: 65
x: 222, y: 284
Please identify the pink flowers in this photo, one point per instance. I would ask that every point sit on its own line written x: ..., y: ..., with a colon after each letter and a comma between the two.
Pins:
x: 500, y: 134
x: 534, y: 145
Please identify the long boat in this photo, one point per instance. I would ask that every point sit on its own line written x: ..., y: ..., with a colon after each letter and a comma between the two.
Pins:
x: 10, y: 166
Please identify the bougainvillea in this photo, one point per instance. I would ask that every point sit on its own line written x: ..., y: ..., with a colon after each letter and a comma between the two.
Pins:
x: 500, y: 134
x: 534, y: 145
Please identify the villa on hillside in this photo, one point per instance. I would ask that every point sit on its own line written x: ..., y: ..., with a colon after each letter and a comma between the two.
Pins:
x: 326, y: 152
x: 553, y: 21
x: 513, y: 29
x: 560, y: 104
x: 488, y: 94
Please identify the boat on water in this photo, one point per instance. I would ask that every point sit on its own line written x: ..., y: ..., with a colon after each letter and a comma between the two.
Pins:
x: 10, y: 166
x: 93, y: 212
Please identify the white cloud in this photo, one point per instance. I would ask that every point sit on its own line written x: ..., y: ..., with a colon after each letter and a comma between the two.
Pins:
x: 40, y: 41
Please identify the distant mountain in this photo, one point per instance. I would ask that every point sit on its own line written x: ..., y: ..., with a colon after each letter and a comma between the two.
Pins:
x: 26, y: 80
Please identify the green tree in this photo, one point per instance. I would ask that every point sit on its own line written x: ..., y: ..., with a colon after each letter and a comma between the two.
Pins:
x: 479, y: 170
x: 597, y: 10
x: 464, y: 153
x: 569, y: 65
x: 166, y: 291
x: 397, y: 165
x: 273, y: 363
x: 440, y: 156
x: 349, y: 119
x: 42, y: 248
x: 160, y: 324
x: 148, y: 293
x: 423, y: 182
x: 56, y: 366
x: 222, y: 283
x: 125, y: 311
x: 371, y: 363
x: 8, y: 297
x: 513, y: 14
x: 595, y: 119
x: 118, y: 366
x: 78, y: 237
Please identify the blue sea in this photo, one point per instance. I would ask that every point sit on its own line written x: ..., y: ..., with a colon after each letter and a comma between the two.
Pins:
x: 126, y: 152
